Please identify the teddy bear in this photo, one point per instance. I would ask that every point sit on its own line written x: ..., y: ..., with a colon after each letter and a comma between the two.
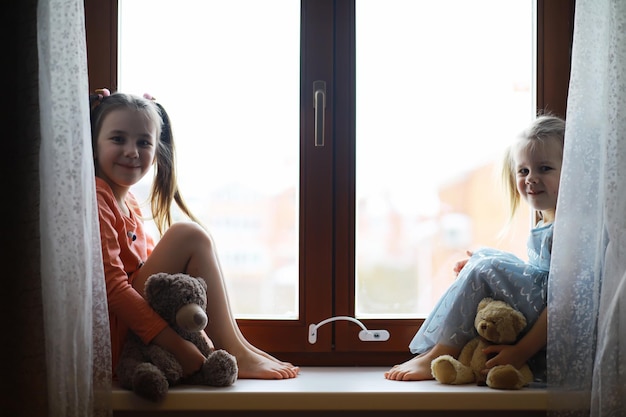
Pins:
x: 496, y: 323
x: 149, y: 370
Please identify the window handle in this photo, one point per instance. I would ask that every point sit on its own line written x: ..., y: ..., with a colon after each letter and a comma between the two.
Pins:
x: 319, y: 103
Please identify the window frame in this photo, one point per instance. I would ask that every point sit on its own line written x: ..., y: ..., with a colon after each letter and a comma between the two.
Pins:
x: 326, y: 223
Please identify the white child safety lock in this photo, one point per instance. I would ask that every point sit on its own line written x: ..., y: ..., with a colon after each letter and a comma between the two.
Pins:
x: 365, y: 335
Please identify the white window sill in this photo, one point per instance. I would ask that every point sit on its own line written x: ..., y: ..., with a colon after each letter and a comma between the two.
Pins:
x: 336, y: 388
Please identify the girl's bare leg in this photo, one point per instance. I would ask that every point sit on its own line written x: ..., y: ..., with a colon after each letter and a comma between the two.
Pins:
x: 187, y: 248
x: 418, y: 367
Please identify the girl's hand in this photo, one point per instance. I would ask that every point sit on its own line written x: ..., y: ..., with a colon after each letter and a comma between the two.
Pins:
x: 460, y: 264
x: 190, y: 358
x: 505, y: 355
x: 185, y: 352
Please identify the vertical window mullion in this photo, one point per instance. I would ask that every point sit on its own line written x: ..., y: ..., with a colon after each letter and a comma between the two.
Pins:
x: 317, y: 170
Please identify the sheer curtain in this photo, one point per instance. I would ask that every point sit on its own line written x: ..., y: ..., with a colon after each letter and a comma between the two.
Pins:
x: 587, y: 321
x: 53, y: 309
x: 75, y: 314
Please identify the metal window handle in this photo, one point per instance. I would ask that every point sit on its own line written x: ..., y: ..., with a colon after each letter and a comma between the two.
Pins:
x: 319, y: 103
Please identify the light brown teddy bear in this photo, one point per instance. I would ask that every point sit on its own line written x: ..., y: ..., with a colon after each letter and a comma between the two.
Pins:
x: 497, y: 323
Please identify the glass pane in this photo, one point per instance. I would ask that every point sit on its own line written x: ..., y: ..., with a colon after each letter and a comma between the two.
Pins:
x: 228, y: 74
x: 441, y: 88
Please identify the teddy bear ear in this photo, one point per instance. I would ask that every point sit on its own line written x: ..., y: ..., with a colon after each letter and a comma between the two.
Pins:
x: 202, y: 283
x: 155, y: 282
x: 519, y: 321
x: 483, y: 303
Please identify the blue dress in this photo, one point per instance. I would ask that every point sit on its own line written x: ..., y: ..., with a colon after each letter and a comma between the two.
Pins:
x: 489, y: 273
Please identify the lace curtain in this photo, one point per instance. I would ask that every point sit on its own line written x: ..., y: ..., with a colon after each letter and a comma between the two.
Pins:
x: 74, y: 297
x: 587, y: 326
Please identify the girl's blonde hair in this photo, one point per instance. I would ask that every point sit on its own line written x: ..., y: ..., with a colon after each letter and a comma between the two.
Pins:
x: 544, y: 127
x: 164, y: 187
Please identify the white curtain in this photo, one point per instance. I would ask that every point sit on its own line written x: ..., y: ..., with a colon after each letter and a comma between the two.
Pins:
x: 587, y: 321
x: 74, y: 295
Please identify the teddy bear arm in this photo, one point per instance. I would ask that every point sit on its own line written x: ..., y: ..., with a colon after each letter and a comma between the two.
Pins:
x: 467, y: 353
x: 478, y: 361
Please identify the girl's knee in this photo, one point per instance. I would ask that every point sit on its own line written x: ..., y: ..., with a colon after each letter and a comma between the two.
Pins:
x: 190, y: 232
x: 485, y: 262
x: 489, y: 268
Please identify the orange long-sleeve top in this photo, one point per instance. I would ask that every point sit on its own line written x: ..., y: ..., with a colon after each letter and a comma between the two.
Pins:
x: 125, y: 248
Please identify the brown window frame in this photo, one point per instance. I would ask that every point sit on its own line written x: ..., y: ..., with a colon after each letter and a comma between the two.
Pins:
x: 331, y: 23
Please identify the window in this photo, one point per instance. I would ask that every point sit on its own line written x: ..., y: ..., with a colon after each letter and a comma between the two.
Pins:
x: 432, y: 121
x: 236, y: 130
x: 327, y: 208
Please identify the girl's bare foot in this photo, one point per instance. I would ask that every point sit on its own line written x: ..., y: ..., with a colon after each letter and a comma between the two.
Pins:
x: 278, y: 361
x: 418, y: 367
x: 253, y: 365
x: 255, y: 349
x: 415, y: 369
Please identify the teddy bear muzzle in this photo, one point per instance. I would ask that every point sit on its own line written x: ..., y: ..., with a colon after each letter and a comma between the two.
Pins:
x: 192, y: 318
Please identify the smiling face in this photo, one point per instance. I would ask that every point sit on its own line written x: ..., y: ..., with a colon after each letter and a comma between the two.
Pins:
x: 537, y: 173
x: 125, y: 149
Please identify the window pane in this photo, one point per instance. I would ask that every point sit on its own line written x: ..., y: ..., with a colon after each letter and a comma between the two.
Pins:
x: 441, y: 88
x: 228, y: 74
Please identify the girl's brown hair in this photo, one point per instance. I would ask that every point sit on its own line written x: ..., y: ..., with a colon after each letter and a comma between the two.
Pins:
x: 164, y: 186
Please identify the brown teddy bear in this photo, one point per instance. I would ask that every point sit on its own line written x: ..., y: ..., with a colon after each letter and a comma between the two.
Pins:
x: 149, y: 370
x: 497, y: 323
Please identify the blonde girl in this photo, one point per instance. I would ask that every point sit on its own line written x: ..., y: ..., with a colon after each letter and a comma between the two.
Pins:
x: 531, y: 170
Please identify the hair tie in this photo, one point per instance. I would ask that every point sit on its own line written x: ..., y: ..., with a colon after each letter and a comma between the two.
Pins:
x: 96, y: 98
x: 148, y: 96
x: 104, y: 92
